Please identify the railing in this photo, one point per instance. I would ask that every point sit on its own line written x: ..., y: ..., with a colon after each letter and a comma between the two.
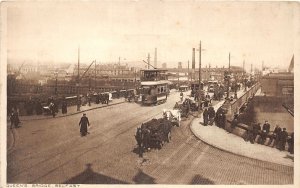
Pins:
x: 236, y: 105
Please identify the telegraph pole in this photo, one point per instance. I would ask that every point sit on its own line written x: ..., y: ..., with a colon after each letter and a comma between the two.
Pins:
x: 200, y: 88
x: 200, y: 65
x: 78, y: 99
x: 244, y: 76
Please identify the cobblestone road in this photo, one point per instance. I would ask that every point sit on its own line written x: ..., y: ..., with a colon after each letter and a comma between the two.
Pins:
x: 51, y: 151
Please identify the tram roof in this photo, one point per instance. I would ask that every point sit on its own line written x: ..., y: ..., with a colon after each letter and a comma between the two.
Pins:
x: 154, y: 70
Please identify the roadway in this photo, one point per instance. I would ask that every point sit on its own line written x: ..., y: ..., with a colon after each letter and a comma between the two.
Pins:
x: 52, y: 151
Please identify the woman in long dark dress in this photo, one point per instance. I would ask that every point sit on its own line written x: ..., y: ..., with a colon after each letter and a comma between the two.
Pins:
x: 84, y: 123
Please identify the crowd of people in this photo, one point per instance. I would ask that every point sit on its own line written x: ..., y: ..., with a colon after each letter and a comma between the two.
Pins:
x: 278, y: 138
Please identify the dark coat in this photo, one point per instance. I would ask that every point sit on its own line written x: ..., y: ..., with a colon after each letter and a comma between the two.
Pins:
x: 205, y: 113
x: 266, y: 127
x: 84, y: 122
x: 211, y: 112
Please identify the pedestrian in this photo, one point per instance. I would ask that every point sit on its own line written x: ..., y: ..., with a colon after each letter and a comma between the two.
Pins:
x: 256, y: 130
x: 283, y: 135
x: 83, y: 124
x: 64, y: 106
x: 211, y: 114
x: 139, y: 139
x: 278, y: 131
x: 97, y: 98
x: 205, y: 116
x: 291, y: 144
x: 223, y: 120
x: 14, y: 119
x: 273, y: 135
x: 107, y: 98
x: 181, y: 96
x: 52, y: 109
x: 234, y: 123
x: 266, y: 127
x: 206, y: 102
x: 196, y: 95
x: 263, y: 137
x: 89, y: 99
x: 217, y: 118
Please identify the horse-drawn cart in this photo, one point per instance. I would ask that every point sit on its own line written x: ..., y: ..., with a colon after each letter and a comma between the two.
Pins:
x: 154, y: 133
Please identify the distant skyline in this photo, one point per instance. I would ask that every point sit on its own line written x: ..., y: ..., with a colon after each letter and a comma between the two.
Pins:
x: 106, y: 30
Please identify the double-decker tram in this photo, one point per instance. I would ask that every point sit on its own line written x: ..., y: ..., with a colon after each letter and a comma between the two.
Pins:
x: 154, y: 86
x: 195, y: 87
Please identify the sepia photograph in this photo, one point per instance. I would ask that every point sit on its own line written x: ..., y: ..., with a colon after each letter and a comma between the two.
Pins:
x: 138, y: 92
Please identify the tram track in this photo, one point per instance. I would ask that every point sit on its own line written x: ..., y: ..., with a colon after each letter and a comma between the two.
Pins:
x: 134, y: 122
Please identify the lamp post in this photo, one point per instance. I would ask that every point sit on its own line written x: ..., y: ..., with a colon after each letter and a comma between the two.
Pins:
x: 77, y: 83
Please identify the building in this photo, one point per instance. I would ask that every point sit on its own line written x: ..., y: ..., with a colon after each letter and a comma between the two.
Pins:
x: 278, y: 85
x: 206, y: 73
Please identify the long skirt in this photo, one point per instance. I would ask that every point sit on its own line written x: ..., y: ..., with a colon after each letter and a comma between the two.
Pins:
x: 83, y: 129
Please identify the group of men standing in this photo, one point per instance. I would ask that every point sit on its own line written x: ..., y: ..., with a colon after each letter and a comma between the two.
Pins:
x: 277, y: 138
x: 14, y: 119
x: 208, y: 115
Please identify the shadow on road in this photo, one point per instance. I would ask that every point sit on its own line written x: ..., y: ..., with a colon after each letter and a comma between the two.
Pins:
x: 198, y: 179
x: 88, y: 176
x: 142, y: 178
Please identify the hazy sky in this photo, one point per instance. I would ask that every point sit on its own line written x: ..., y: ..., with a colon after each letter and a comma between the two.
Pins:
x: 106, y: 30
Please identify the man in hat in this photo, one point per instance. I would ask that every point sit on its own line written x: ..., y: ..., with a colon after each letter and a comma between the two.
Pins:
x: 256, y: 130
x: 266, y: 127
x: 282, y: 139
x: 84, y: 123
x: 291, y: 144
x: 276, y: 134
x: 211, y: 114
x: 273, y: 135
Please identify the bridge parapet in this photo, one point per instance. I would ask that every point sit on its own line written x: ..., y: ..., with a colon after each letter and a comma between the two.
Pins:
x: 234, y: 106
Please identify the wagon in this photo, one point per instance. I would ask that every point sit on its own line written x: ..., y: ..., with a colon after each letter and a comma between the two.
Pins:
x: 154, y: 133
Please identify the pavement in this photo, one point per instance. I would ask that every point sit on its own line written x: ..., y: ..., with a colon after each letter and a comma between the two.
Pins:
x: 221, y: 139
x: 72, y: 110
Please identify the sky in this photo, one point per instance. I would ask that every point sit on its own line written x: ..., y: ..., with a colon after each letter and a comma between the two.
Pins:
x: 253, y: 32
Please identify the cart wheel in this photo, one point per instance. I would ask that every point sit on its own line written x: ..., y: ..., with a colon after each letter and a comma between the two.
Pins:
x: 169, y: 137
x: 160, y: 145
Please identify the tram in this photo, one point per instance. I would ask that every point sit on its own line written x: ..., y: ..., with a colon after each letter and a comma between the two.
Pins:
x: 195, y: 88
x: 154, y: 86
